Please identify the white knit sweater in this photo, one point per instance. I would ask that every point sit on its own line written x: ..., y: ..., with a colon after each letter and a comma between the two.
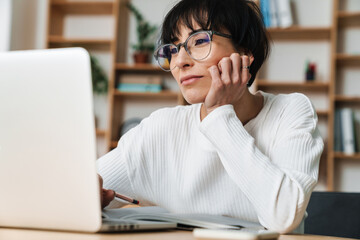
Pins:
x: 263, y: 172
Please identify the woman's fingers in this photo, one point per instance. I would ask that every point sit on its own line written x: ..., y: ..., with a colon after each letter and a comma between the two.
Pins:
x: 226, y: 67
x: 229, y: 78
x: 245, y: 69
x: 231, y: 70
x: 108, y: 196
x: 101, y: 190
x: 236, y: 68
x: 216, y: 76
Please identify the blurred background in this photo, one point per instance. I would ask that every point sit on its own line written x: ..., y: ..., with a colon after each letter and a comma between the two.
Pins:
x: 315, y: 51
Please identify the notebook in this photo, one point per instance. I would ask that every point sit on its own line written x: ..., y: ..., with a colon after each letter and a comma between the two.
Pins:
x: 183, y: 220
x: 48, y: 176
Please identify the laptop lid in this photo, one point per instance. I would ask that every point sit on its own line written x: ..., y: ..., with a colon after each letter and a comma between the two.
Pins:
x: 47, y: 141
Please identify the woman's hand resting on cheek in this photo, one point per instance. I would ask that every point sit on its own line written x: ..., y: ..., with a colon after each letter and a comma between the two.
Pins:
x: 229, y: 81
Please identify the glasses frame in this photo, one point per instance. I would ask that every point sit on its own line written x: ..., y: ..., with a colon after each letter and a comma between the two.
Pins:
x: 211, y: 33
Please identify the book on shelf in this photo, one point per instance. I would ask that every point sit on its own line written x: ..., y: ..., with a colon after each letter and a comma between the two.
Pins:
x: 357, y: 130
x: 140, y: 83
x: 140, y: 78
x: 265, y: 11
x: 276, y: 13
x: 183, y: 221
x: 338, y: 144
x: 284, y: 13
x: 347, y: 129
x: 273, y: 9
x: 139, y: 87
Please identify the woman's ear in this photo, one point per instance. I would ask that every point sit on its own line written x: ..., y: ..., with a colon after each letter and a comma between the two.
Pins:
x: 251, y: 57
x: 247, y: 53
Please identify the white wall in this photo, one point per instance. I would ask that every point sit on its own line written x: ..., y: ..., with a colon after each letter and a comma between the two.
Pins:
x: 28, y: 24
x: 5, y: 24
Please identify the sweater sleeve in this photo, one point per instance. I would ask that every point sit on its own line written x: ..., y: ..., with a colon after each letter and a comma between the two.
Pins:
x: 111, y: 167
x: 119, y: 167
x: 279, y: 185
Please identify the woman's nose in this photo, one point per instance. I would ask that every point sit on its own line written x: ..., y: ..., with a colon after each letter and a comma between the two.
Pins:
x: 182, y: 59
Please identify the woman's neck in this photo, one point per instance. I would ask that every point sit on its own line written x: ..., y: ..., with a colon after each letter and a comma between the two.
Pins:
x: 248, y: 107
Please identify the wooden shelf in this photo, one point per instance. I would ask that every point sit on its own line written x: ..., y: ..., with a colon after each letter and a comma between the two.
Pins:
x: 340, y: 155
x: 308, y: 86
x: 349, y: 18
x: 347, y: 59
x: 322, y: 113
x: 83, y: 7
x: 300, y: 33
x: 347, y: 99
x: 100, y: 132
x: 162, y: 94
x: 346, y: 14
x: 139, y: 67
x: 80, y: 41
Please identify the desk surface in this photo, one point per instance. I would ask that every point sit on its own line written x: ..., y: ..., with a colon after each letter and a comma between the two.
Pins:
x: 22, y: 234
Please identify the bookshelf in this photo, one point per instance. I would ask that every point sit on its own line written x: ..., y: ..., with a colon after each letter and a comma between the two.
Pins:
x: 66, y: 28
x: 302, y: 35
x: 343, y: 15
x: 346, y: 60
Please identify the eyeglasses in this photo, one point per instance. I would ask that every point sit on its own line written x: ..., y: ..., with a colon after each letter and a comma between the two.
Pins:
x: 197, y: 45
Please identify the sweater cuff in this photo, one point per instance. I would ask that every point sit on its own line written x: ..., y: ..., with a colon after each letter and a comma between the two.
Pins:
x: 225, y: 110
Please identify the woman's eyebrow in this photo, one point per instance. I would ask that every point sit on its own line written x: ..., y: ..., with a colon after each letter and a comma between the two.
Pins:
x: 175, y: 39
x: 195, y: 31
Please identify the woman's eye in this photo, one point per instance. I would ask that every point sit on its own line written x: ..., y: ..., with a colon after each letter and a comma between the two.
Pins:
x: 173, y: 51
x: 200, y: 41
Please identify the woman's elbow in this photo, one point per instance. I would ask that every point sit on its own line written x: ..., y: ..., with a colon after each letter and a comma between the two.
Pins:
x: 285, y: 223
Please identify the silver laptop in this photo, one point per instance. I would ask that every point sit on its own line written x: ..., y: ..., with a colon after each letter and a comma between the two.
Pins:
x: 48, y: 176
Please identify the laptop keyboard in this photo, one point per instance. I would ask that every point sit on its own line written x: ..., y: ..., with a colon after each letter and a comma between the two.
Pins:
x: 116, y: 221
x: 119, y: 225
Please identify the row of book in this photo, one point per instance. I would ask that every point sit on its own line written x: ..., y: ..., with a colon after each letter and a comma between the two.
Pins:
x: 347, y: 131
x: 140, y: 83
x: 276, y: 13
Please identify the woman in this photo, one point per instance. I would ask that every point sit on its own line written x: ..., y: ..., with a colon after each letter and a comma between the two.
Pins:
x: 231, y: 152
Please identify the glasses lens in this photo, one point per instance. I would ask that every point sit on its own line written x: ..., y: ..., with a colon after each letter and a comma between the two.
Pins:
x: 199, y: 45
x: 164, y: 55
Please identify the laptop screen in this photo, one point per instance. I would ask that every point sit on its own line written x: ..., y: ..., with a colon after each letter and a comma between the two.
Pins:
x: 47, y: 141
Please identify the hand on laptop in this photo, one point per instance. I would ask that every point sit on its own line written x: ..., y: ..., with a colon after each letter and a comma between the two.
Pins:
x: 106, y: 195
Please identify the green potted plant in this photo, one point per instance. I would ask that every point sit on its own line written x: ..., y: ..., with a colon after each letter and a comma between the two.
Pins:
x: 144, y: 31
x: 99, y: 78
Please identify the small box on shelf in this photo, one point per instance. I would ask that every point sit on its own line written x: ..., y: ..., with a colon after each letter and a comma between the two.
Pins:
x: 140, y: 83
x: 139, y: 87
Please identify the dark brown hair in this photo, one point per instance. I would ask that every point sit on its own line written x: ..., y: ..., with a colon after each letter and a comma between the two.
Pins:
x: 241, y: 18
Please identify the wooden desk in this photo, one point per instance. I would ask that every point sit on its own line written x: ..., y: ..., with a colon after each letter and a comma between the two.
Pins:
x: 22, y: 234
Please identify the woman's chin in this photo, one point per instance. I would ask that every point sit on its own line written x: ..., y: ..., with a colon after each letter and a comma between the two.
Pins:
x: 195, y: 95
x: 193, y: 99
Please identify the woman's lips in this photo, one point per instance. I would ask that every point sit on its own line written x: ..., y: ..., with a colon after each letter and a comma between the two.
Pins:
x: 190, y: 79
